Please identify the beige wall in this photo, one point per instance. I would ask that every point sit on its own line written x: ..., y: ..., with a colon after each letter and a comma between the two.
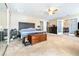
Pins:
x: 52, y: 22
x: 16, y: 17
x: 3, y: 19
x: 0, y: 18
x: 3, y: 15
x: 66, y: 23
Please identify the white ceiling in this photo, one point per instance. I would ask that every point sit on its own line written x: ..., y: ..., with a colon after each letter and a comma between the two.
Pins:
x: 39, y: 10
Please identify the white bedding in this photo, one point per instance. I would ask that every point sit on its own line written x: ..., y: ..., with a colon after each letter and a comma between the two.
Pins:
x: 26, y: 32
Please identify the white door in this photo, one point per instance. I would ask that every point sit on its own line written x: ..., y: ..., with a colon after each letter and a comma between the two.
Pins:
x: 72, y: 26
x: 59, y: 26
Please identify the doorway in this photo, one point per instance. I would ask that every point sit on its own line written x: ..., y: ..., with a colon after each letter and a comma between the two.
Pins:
x: 66, y: 27
x: 52, y: 26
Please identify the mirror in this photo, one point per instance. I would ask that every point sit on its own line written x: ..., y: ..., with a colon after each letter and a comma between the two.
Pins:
x: 3, y: 28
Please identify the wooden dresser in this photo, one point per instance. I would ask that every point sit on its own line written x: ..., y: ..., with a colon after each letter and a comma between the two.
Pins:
x: 36, y: 38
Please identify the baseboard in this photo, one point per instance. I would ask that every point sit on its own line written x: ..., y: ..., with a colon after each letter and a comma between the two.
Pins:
x: 59, y: 33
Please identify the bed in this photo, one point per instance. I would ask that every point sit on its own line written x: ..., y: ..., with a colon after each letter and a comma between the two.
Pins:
x: 26, y: 29
x: 29, y: 31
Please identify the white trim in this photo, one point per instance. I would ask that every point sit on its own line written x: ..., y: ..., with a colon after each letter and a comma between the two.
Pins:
x: 8, y: 23
x: 59, y: 33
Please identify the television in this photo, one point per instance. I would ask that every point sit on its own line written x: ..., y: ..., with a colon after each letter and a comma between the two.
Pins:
x: 78, y: 25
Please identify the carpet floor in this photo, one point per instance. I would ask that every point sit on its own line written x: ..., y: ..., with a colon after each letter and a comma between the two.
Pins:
x: 56, y: 45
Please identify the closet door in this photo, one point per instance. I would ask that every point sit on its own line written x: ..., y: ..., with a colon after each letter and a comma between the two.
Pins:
x: 72, y: 26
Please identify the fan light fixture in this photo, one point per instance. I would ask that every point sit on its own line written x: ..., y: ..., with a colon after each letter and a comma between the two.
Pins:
x: 52, y: 10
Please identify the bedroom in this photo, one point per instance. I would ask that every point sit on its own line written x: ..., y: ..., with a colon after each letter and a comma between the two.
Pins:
x: 36, y: 16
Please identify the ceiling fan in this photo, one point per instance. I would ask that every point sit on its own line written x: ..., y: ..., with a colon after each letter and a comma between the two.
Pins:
x: 52, y: 11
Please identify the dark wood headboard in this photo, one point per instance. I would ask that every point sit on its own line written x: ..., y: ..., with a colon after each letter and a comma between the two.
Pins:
x: 24, y: 25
